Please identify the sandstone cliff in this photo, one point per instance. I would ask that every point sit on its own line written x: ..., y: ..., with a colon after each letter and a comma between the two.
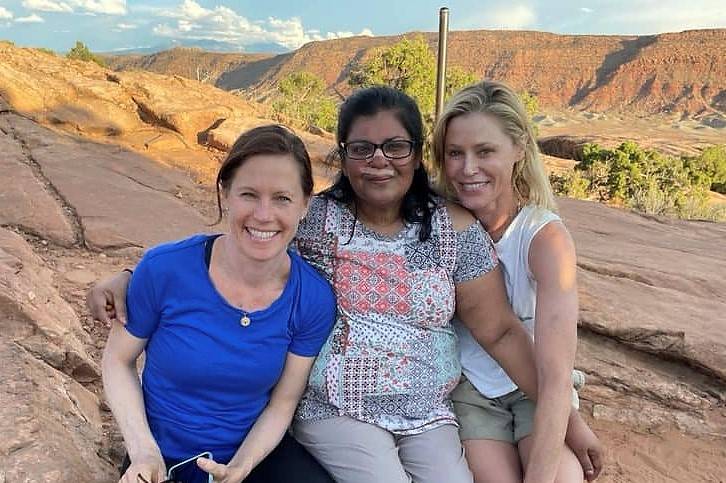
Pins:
x: 191, y: 63
x: 676, y: 72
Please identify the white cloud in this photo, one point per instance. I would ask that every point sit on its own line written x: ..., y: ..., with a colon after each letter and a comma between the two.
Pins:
x: 47, y: 6
x: 5, y: 14
x: 315, y: 34
x: 30, y: 19
x: 105, y: 7
x: 223, y: 24
x: 586, y: 9
x: 642, y: 17
x: 126, y: 26
x: 502, y: 16
x: 515, y: 17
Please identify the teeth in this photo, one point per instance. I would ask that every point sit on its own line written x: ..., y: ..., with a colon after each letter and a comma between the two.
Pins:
x: 473, y: 186
x: 265, y: 235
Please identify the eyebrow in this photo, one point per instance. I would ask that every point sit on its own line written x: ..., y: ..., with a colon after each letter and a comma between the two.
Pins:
x: 394, y: 138
x: 479, y: 145
x: 250, y: 188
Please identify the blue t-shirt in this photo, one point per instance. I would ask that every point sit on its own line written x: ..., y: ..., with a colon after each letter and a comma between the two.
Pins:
x: 207, y: 378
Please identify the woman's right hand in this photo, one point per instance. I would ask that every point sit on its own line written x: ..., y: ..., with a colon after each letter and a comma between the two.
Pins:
x: 106, y: 300
x: 150, y: 469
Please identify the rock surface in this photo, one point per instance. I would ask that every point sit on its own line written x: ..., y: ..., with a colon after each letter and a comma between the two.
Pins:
x: 51, y: 423
x: 166, y: 118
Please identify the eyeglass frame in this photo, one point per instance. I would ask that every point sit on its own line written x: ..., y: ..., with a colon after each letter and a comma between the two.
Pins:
x: 412, y: 146
x: 169, y: 477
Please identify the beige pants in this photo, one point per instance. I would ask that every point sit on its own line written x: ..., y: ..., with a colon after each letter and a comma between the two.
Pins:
x: 357, y: 452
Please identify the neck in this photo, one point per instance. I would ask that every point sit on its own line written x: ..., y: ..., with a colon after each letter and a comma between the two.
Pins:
x: 380, y: 218
x: 251, y: 273
x: 497, y: 215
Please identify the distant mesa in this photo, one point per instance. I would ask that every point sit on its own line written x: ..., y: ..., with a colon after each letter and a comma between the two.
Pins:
x: 673, y: 73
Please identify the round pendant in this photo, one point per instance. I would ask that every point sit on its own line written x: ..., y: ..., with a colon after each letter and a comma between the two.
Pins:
x: 244, y: 321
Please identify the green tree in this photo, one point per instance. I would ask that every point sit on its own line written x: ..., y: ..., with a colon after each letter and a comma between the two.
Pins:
x: 711, y: 163
x: 301, y: 98
x: 82, y: 52
x: 408, y: 65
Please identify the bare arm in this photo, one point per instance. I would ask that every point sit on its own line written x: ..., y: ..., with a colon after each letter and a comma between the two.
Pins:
x: 270, y: 427
x: 123, y: 392
x: 552, y: 262
x: 482, y: 305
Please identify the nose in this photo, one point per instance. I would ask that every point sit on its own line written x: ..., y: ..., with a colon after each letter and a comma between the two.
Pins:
x: 470, y: 166
x: 378, y: 159
x: 263, y: 211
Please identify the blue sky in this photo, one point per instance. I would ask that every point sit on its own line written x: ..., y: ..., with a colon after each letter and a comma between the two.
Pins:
x: 254, y: 25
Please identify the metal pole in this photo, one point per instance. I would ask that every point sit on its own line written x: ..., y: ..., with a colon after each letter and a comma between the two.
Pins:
x: 441, y: 66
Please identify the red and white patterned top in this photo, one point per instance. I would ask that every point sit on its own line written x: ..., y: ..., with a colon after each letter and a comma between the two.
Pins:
x: 391, y: 359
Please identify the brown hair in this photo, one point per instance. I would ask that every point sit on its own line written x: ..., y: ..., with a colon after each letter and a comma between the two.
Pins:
x: 269, y: 139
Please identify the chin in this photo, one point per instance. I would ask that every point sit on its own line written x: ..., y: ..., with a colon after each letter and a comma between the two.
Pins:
x: 473, y: 201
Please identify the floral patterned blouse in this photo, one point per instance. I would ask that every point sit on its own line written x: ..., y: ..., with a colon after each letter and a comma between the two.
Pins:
x: 391, y: 358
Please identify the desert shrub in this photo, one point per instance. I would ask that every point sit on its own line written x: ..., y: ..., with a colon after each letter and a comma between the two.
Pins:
x: 572, y: 184
x: 47, y: 51
x: 711, y: 163
x: 301, y: 98
x: 82, y: 52
x: 644, y: 180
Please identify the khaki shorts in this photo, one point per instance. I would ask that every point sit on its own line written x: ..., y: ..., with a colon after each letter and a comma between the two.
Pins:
x: 506, y: 418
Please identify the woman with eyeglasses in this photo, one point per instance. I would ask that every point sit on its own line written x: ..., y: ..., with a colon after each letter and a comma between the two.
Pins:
x: 230, y: 325
x: 401, y: 261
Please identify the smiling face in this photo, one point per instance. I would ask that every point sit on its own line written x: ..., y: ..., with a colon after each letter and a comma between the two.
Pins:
x: 265, y: 200
x: 478, y: 159
x: 380, y: 182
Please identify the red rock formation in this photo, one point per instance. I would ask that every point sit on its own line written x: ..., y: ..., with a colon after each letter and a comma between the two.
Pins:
x: 675, y: 72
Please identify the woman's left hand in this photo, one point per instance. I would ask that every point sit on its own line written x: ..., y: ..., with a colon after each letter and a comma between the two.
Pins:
x: 223, y: 473
x: 586, y: 446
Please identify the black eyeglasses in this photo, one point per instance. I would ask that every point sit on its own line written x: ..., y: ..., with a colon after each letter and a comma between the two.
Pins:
x: 391, y: 149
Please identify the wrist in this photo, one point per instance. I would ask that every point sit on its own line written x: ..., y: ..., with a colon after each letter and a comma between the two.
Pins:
x: 143, y: 452
x: 241, y: 465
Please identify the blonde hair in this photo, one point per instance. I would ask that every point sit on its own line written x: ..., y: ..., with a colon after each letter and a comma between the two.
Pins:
x: 529, y: 178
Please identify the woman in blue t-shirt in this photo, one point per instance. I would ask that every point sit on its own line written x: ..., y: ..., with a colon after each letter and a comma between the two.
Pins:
x: 230, y: 325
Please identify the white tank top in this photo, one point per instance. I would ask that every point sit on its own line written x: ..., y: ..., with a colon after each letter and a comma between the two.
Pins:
x: 513, y: 251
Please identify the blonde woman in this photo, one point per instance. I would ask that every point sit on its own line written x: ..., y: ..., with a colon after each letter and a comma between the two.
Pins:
x: 486, y: 157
